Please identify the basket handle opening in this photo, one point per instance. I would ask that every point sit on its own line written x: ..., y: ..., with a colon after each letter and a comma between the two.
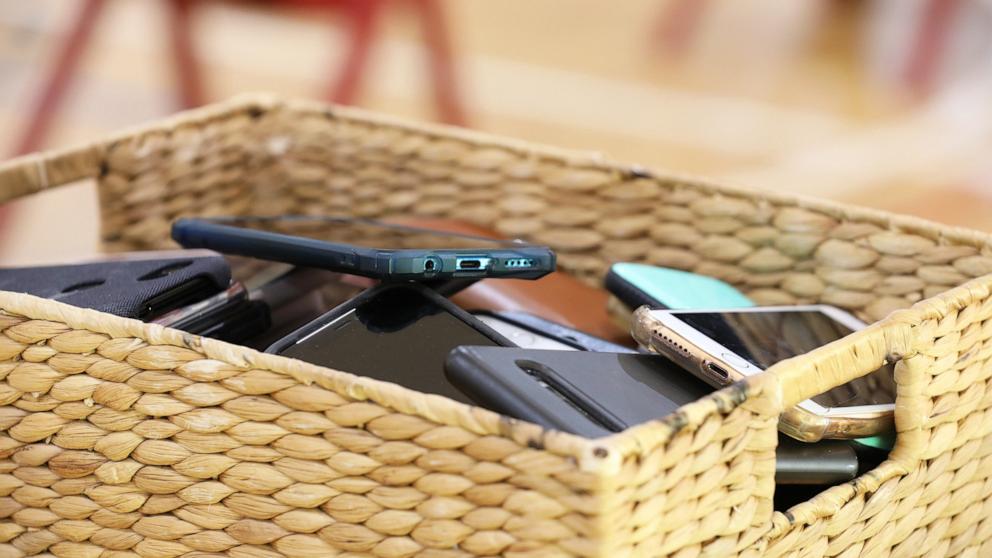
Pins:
x: 894, y: 340
x: 842, y: 361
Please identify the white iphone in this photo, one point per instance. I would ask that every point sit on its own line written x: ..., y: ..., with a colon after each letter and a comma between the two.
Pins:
x: 724, y: 346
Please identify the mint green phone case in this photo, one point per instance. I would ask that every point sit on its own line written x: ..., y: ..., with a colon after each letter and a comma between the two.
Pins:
x: 662, y: 287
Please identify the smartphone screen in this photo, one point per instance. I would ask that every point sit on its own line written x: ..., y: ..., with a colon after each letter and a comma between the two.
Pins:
x: 400, y: 336
x: 765, y: 338
x: 366, y: 233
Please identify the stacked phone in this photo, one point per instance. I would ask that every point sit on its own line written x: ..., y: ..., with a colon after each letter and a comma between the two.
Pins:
x: 452, y: 310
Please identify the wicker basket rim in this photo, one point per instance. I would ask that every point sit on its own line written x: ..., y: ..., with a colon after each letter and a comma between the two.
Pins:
x: 39, y: 171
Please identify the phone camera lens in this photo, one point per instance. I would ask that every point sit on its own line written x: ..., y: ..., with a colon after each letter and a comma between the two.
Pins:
x: 429, y: 265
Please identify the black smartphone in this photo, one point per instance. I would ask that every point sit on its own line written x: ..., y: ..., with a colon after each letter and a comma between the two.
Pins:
x: 366, y: 247
x: 587, y: 393
x: 399, y: 332
x: 534, y: 332
x: 144, y: 287
x: 596, y: 394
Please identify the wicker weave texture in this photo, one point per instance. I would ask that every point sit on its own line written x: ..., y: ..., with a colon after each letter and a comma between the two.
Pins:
x: 316, y: 162
x: 126, y: 439
x: 115, y: 443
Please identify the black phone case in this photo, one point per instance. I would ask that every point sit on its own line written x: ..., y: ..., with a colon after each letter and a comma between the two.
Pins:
x: 139, y: 289
x: 629, y: 294
x: 294, y: 337
x: 566, y: 390
x: 223, y: 235
x: 582, y: 393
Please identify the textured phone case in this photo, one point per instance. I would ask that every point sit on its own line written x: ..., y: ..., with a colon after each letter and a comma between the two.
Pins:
x: 123, y: 287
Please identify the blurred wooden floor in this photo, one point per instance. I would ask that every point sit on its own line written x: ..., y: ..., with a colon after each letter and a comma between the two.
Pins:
x: 791, y: 111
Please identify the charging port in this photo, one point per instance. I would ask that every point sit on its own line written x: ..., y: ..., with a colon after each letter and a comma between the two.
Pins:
x: 718, y: 371
x: 472, y: 264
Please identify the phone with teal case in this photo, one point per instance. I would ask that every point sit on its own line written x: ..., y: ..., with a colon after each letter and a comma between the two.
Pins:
x: 661, y: 287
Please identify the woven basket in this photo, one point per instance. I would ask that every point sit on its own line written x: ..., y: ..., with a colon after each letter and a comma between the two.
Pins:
x: 123, y: 439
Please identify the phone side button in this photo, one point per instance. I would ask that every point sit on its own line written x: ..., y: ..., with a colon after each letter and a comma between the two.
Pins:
x: 736, y: 361
x: 348, y: 260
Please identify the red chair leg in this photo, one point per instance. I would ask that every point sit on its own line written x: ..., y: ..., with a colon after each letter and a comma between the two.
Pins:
x: 363, y: 15
x: 928, y: 45
x: 58, y: 82
x: 183, y: 54
x: 440, y: 59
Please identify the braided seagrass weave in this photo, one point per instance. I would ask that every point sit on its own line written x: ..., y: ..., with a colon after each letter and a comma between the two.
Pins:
x: 124, y: 439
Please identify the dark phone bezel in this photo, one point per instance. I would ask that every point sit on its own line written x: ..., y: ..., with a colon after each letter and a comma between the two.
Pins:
x: 628, y: 293
x: 223, y: 235
x: 316, y: 325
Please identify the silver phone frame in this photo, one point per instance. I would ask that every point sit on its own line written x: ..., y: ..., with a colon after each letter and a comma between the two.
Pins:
x: 669, y: 319
x: 511, y: 331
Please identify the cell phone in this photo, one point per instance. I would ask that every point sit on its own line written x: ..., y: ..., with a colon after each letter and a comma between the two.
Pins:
x: 553, y: 297
x: 597, y: 394
x: 661, y: 287
x: 142, y: 287
x: 194, y: 317
x: 400, y: 333
x: 724, y: 346
x: 229, y: 316
x: 567, y: 390
x: 238, y: 324
x: 365, y: 247
x: 534, y: 332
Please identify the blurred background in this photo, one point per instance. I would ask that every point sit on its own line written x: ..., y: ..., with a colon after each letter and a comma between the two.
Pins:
x: 884, y: 103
